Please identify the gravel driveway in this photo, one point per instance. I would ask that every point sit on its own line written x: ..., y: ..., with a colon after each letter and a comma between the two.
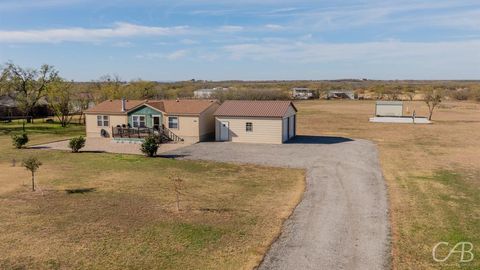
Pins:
x: 342, y: 221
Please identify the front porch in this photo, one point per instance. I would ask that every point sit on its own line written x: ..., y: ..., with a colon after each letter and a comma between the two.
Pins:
x: 140, y: 133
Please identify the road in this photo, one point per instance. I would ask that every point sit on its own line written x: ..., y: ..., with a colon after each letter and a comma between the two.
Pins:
x: 342, y: 221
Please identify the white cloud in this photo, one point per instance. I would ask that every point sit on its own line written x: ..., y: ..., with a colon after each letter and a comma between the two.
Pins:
x: 274, y: 27
x: 79, y: 34
x: 231, y: 28
x: 386, y: 51
x: 175, y: 55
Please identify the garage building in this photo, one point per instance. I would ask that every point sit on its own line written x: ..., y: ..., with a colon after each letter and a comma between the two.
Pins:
x: 245, y: 121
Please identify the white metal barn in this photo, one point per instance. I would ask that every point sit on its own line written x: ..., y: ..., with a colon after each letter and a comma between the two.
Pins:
x: 272, y: 122
x: 389, y: 108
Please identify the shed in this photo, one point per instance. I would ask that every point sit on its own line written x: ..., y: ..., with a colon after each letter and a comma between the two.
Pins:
x: 248, y: 121
x: 389, y: 108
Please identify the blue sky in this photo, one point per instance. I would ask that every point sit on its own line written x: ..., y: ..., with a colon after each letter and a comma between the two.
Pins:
x: 246, y: 40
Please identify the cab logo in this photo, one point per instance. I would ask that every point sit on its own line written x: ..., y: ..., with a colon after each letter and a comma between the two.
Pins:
x: 463, y: 249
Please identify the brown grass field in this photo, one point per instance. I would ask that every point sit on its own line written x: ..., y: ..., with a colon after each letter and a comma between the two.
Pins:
x: 121, y: 211
x: 231, y: 213
x: 432, y: 173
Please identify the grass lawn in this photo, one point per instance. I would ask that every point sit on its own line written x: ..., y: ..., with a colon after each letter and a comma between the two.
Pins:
x: 120, y: 212
x: 432, y: 173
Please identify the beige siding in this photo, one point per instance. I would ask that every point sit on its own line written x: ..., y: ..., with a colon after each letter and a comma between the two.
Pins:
x: 93, y: 130
x: 188, y: 127
x: 265, y: 130
x: 207, y: 122
x: 389, y: 110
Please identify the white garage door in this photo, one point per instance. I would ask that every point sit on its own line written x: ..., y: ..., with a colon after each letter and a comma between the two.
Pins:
x: 291, y: 126
x: 284, y: 129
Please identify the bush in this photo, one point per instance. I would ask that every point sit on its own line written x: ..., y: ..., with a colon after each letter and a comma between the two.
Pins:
x: 76, y: 144
x: 150, y: 146
x: 19, y: 140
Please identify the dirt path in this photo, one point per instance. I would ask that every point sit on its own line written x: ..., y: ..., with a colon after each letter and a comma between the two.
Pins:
x: 342, y: 221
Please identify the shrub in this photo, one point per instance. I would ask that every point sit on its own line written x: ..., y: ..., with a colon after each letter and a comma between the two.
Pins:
x: 19, y: 140
x: 32, y: 164
x: 76, y: 144
x: 150, y: 146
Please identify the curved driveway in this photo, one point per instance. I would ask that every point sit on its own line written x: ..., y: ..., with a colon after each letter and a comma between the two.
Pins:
x: 342, y: 221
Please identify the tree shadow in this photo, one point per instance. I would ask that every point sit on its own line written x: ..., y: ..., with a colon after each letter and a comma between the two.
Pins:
x: 80, y: 190
x: 308, y: 139
x: 173, y: 156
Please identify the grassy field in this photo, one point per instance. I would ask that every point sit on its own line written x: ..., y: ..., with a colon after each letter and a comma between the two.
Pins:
x: 432, y: 172
x: 108, y: 211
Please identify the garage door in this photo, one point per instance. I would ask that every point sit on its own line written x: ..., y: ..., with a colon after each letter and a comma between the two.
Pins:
x: 284, y: 129
x: 291, y: 127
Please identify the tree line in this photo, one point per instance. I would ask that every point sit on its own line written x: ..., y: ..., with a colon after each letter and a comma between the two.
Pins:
x: 30, y: 87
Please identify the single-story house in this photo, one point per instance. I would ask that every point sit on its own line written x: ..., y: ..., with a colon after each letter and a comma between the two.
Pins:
x: 389, y: 108
x: 272, y: 122
x: 185, y: 120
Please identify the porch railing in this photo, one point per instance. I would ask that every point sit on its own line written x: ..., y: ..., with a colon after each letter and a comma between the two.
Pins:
x: 142, y: 132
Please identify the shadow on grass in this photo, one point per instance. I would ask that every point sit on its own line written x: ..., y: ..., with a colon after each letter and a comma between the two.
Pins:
x: 172, y: 156
x: 80, y: 190
x: 306, y: 139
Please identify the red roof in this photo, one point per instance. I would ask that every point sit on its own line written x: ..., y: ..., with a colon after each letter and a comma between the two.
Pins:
x: 254, y: 108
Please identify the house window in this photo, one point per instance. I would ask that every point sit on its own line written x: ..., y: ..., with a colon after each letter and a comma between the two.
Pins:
x: 249, y: 127
x: 102, y: 120
x: 138, y: 121
x: 173, y: 122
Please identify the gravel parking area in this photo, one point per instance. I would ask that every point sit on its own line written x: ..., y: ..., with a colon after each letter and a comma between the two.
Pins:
x: 109, y: 146
x: 342, y: 221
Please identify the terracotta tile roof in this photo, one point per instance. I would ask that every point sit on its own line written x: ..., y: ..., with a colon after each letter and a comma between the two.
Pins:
x: 114, y: 106
x: 167, y: 106
x: 182, y: 106
x: 251, y: 108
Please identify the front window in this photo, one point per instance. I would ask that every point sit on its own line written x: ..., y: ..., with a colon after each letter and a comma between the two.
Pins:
x: 173, y: 122
x: 249, y: 127
x: 138, y: 121
x: 102, y: 120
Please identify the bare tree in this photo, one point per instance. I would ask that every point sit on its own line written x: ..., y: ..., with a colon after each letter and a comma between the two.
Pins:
x: 26, y: 86
x: 32, y: 164
x: 107, y: 87
x: 177, y: 188
x: 433, y: 97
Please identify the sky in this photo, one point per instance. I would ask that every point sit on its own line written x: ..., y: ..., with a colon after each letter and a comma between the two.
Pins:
x: 244, y: 40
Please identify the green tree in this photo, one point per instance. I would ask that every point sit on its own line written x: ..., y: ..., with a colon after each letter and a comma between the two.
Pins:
x: 76, y: 143
x: 61, y: 98
x: 26, y: 86
x: 433, y: 97
x: 150, y: 146
x: 32, y: 164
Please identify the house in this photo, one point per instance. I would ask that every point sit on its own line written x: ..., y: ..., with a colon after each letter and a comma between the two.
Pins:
x: 389, y: 108
x: 255, y: 121
x: 208, y: 93
x: 185, y: 120
x: 302, y: 93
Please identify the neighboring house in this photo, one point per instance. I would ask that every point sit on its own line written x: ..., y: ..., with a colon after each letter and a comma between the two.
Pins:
x: 389, y: 108
x: 208, y: 93
x: 187, y: 120
x: 302, y: 93
x: 341, y: 94
x: 255, y: 121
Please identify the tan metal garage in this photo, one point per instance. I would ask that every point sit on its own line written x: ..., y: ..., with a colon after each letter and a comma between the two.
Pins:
x: 255, y: 121
x: 389, y: 108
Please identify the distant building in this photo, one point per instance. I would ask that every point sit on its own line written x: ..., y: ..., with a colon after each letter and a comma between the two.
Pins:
x: 208, y: 93
x: 341, y: 94
x: 389, y: 108
x: 302, y: 93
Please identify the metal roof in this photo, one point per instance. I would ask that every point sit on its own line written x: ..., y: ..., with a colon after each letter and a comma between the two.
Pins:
x: 254, y: 108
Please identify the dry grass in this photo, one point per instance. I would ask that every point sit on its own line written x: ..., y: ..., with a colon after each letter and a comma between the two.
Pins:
x: 432, y: 172
x: 120, y: 212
